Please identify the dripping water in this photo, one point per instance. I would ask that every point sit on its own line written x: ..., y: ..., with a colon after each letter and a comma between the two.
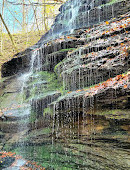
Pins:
x: 99, y: 14
x: 88, y: 17
x: 112, y: 11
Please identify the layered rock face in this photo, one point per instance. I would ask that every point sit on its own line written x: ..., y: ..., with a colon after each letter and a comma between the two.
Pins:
x: 103, y: 56
x: 95, y: 73
x: 78, y: 70
x: 73, y: 15
x: 79, y: 14
x: 84, y: 58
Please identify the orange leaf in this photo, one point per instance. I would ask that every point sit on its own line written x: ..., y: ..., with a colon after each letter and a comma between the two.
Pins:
x: 125, y: 86
x: 107, y: 22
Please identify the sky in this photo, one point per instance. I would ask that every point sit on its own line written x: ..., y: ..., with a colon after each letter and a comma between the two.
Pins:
x: 13, y: 12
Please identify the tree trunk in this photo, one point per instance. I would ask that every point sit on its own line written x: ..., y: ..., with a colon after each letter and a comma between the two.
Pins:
x: 45, y: 16
x: 11, y: 38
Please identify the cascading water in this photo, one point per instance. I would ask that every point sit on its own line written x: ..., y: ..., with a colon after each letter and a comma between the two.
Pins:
x: 74, y: 10
x: 23, y: 79
x: 72, y: 138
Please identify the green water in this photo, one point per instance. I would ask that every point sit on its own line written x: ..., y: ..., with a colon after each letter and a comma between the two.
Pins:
x: 91, y: 144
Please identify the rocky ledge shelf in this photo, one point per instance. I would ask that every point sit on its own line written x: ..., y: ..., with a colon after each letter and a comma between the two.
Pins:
x: 57, y: 39
x: 110, y: 99
x: 80, y: 60
x: 84, y: 73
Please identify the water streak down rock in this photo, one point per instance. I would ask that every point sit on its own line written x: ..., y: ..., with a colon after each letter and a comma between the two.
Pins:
x: 74, y: 14
x: 82, y: 52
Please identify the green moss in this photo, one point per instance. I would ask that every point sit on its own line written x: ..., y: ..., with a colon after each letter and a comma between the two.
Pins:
x: 68, y: 49
x: 59, y: 156
x: 111, y: 2
x: 43, y: 131
x: 49, y: 84
x: 2, y: 80
x: 48, y: 111
x: 114, y: 114
x: 33, y: 117
x: 7, y: 100
x: 55, y: 68
x: 87, y: 36
x: 7, y: 147
x: 65, y: 60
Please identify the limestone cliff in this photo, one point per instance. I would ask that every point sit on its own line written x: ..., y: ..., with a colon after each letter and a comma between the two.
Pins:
x: 88, y: 45
x: 74, y: 14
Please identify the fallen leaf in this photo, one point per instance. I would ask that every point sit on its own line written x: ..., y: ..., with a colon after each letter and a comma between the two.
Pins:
x: 125, y: 86
x: 107, y: 22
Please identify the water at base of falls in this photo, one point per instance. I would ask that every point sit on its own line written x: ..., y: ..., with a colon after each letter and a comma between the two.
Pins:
x: 92, y: 143
x: 73, y: 142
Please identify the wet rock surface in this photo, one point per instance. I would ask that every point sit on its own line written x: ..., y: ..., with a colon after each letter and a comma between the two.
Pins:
x: 97, y: 141
x: 38, y: 105
x: 100, y: 58
x: 112, y: 94
x: 77, y: 117
x: 79, y: 14
x: 90, y: 56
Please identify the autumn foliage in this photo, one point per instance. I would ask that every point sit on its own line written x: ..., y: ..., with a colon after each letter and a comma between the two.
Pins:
x: 121, y: 81
x: 27, y: 166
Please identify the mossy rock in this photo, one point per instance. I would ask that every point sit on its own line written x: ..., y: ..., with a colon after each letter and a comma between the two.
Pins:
x: 116, y: 114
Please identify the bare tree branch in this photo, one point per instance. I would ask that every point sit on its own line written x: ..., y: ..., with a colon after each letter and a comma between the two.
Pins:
x: 11, y: 38
x: 14, y: 16
x: 35, y: 16
x: 55, y: 2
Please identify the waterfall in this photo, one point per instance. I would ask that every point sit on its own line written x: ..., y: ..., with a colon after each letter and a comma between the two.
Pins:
x: 99, y: 14
x: 74, y: 9
x: 113, y: 15
x: 24, y: 77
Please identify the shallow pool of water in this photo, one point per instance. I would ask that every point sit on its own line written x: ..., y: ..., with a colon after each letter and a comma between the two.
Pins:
x: 91, y: 144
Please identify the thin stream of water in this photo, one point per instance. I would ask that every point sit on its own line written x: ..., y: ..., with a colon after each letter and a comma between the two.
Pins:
x: 74, y: 138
